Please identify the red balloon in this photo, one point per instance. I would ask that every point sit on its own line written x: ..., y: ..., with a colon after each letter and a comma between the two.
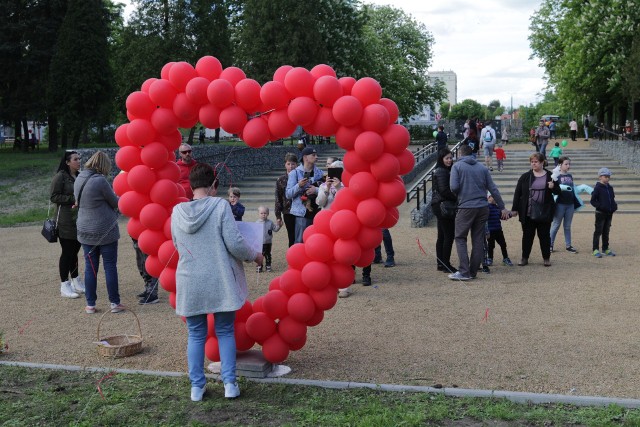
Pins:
x: 366, y: 258
x: 375, y: 118
x: 370, y: 237
x: 153, y: 216
x: 245, y: 311
x: 407, y: 161
x: 132, y: 202
x: 260, y: 326
x: 171, y: 141
x: 396, y: 139
x: 369, y: 146
x: 322, y: 70
x: 220, y: 93
x: 347, y: 110
x: 354, y: 163
x: 164, y: 192
x: 347, y: 84
x: 164, y: 73
x: 141, y: 178
x: 134, y: 228
x: 209, y: 116
x: 297, y: 257
x: 209, y: 67
x: 212, y: 350
x: 367, y: 90
x: 274, y: 95
x: 291, y: 282
x: 233, y: 119
x: 325, y: 298
x: 319, y: 247
x: 342, y: 275
x: 316, y: 319
x: 164, y: 121
x: 275, y: 284
x: 386, y: 167
x: 302, y: 111
x: 371, y: 212
x: 292, y: 331
x: 180, y: 74
x: 196, y: 91
x: 345, y: 199
x: 275, y: 350
x: 233, y: 75
x: 324, y: 123
x: 322, y: 220
x: 243, y: 341
x: 327, y: 90
x: 391, y: 219
x: 346, y: 136
x: 149, y: 242
x: 392, y: 108
x: 154, y: 155
x: 346, y: 252
x: 308, y: 232
x: 344, y: 224
x: 168, y: 255
x: 247, y: 94
x: 121, y: 136
x: 275, y: 304
x: 167, y: 228
x: 140, y: 105
x: 363, y: 185
x: 392, y: 193
x: 128, y: 157
x: 170, y: 171
x: 172, y: 303
x: 153, y: 266
x: 301, y: 307
x: 184, y: 109
x: 257, y: 305
x: 281, y: 72
x: 140, y: 132
x: 346, y: 177
x: 299, y: 82
x: 280, y: 125
x: 162, y: 93
x: 145, y: 85
x: 167, y: 279
x: 256, y: 133
x: 315, y: 275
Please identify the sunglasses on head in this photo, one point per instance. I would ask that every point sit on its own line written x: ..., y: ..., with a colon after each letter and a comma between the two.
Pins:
x: 186, y: 151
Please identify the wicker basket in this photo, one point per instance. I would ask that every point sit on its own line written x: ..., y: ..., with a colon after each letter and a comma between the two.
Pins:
x: 120, y: 345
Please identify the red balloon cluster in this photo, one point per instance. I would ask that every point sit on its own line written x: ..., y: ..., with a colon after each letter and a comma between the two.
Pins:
x: 363, y: 123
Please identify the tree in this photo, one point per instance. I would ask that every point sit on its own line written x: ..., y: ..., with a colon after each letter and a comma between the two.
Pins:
x: 465, y: 110
x: 444, y: 109
x: 493, y: 109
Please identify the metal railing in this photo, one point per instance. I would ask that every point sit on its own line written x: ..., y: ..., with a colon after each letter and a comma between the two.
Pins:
x: 419, y: 188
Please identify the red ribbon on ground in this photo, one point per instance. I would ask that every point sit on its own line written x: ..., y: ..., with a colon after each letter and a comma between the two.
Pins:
x: 106, y: 377
x: 420, y: 246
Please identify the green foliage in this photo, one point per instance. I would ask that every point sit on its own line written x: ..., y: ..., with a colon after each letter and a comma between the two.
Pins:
x: 445, y: 107
x: 466, y: 109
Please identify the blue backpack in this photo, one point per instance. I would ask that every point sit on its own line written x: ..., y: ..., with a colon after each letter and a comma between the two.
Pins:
x: 487, y: 136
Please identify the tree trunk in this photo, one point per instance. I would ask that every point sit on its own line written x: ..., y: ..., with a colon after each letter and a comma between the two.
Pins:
x: 75, y: 139
x: 25, y: 140
x: 622, y: 114
x: 53, y: 132
x: 191, y: 133
x: 65, y: 137
x: 216, y: 138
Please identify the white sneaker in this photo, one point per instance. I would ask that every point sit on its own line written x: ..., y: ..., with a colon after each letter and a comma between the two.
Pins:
x: 231, y: 390
x: 344, y: 293
x: 66, y: 290
x: 197, y: 393
x: 117, y: 308
x: 78, y: 285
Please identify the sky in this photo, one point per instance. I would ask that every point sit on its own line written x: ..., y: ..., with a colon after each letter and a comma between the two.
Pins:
x: 485, y: 43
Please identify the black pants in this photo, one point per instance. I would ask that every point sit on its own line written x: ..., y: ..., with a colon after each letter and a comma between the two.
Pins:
x: 573, y: 135
x: 603, y: 225
x: 529, y: 230
x: 290, y: 224
x: 444, y: 242
x: 68, y: 264
x: 266, y: 252
x: 388, y: 245
x: 150, y: 284
x: 497, y: 236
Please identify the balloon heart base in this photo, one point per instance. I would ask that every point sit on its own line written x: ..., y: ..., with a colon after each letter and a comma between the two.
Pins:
x: 252, y: 364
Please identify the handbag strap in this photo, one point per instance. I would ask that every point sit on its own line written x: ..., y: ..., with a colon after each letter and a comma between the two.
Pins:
x: 49, y: 211
x: 82, y: 188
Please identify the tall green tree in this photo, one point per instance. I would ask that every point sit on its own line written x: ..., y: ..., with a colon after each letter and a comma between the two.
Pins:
x: 466, y: 109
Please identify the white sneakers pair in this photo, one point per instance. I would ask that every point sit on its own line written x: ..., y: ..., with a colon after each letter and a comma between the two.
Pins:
x: 72, y: 288
x: 231, y: 391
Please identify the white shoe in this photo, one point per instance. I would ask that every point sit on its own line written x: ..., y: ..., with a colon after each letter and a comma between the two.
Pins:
x: 231, y: 390
x: 66, y: 290
x: 78, y: 285
x: 197, y: 393
x: 344, y: 293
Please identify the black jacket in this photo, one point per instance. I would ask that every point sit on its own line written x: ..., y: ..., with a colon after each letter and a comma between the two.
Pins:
x: 603, y: 198
x: 440, y: 189
x: 521, y: 195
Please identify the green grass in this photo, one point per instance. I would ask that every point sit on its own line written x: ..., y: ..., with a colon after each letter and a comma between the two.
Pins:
x: 46, y: 397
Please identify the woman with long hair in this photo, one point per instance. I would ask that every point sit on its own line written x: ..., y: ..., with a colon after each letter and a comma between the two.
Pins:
x: 441, y: 193
x: 98, y: 229
x: 566, y: 203
x: 71, y: 285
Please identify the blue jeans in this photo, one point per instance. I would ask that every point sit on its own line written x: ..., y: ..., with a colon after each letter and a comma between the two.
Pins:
x: 301, y: 224
x: 109, y: 254
x: 564, y: 212
x: 543, y: 148
x: 388, y: 245
x: 198, y: 327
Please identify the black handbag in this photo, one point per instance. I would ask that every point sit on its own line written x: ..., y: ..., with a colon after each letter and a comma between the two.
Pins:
x: 448, y: 208
x: 50, y: 227
x: 541, y: 212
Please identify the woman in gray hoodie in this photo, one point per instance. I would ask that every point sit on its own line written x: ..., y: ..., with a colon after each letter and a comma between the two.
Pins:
x: 210, y: 276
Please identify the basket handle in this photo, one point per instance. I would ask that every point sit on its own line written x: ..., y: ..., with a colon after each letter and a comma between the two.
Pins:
x: 125, y: 309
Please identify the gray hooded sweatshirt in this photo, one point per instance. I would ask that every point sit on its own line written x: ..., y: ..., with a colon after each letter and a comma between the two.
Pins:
x: 470, y: 181
x: 210, y: 275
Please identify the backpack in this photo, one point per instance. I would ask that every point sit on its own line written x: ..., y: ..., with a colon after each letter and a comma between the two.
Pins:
x: 487, y: 136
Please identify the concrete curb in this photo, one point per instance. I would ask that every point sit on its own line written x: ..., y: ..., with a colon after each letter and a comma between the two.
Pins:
x: 513, y: 396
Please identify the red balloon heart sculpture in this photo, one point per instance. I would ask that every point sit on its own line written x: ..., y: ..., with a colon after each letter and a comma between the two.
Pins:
x: 363, y: 124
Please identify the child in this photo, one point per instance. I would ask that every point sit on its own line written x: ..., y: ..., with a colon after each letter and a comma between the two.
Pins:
x: 500, y: 157
x: 237, y: 208
x: 496, y: 234
x: 269, y: 228
x: 603, y: 199
x: 556, y: 152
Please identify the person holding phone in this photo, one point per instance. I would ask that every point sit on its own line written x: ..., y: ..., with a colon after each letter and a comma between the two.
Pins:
x: 302, y: 190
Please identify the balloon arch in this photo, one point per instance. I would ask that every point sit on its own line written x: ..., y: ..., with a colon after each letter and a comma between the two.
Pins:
x: 344, y: 235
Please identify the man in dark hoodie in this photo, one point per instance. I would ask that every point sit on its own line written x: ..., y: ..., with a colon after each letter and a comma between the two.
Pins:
x: 470, y: 181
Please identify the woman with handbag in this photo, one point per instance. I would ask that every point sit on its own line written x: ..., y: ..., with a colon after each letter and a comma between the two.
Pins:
x: 533, y: 202
x: 443, y: 205
x: 71, y: 285
x: 98, y: 229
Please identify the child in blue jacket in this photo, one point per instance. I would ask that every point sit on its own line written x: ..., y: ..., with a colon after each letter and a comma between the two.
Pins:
x: 604, y: 200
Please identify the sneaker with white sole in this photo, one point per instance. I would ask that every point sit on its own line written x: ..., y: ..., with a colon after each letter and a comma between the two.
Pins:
x: 231, y: 390
x: 571, y: 249
x: 66, y: 290
x: 197, y: 393
x: 609, y: 252
x: 117, y: 308
x: 78, y: 285
x: 458, y: 276
x: 344, y: 293
x: 597, y: 254
x: 90, y: 309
